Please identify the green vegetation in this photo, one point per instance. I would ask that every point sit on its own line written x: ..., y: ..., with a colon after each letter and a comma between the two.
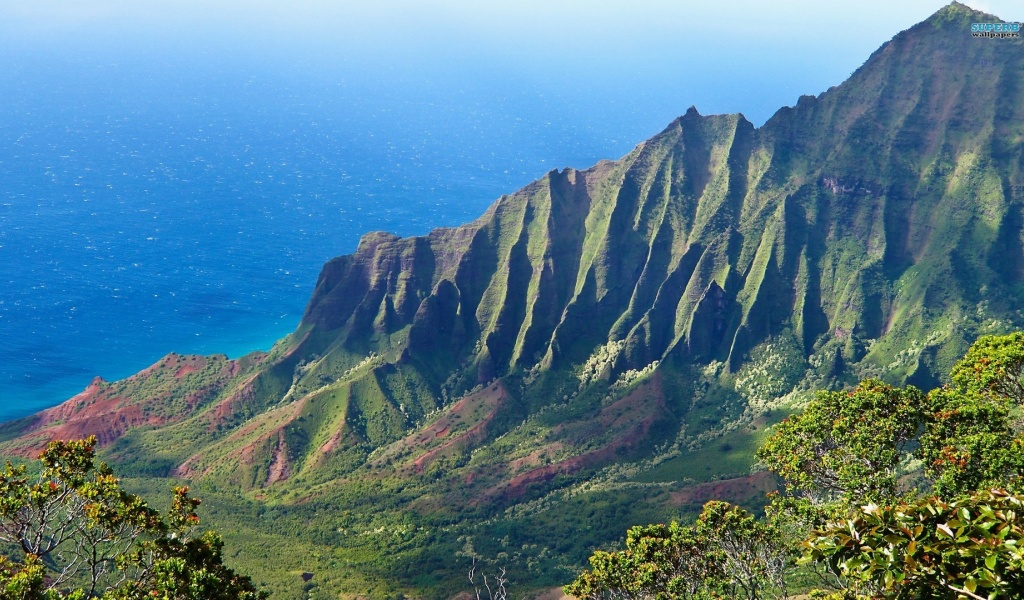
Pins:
x: 608, y: 347
x: 846, y: 446
x: 82, y: 536
x: 847, y: 510
x: 969, y: 547
x: 727, y: 553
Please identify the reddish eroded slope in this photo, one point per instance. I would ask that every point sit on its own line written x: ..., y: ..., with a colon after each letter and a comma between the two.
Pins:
x: 166, y: 392
x: 622, y: 427
x: 618, y: 429
x: 280, y: 467
x: 738, y: 490
x: 97, y: 410
x: 245, y: 445
x: 464, y: 423
x: 247, y: 391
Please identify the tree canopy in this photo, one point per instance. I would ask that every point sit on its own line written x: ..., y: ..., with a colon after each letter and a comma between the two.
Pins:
x: 846, y: 445
x: 81, y: 535
x: 970, y: 547
x: 891, y: 492
x: 727, y: 553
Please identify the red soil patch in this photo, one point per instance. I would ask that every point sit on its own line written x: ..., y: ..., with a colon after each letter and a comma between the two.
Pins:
x: 735, y: 490
x: 536, y: 458
x: 516, y: 487
x: 67, y: 409
x: 99, y: 409
x: 331, y: 444
x: 280, y: 468
x: 226, y: 408
x: 185, y: 370
x: 490, y: 399
x: 631, y: 418
x: 248, y: 454
x: 244, y: 392
x: 95, y: 411
x: 447, y: 432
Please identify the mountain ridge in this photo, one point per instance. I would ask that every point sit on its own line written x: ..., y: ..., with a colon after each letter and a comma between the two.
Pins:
x: 609, y: 328
x: 700, y: 244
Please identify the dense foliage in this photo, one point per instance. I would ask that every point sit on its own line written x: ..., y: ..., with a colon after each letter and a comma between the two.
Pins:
x: 970, y: 547
x: 727, y: 553
x: 81, y: 535
x: 603, y: 341
x: 845, y: 463
x: 846, y: 445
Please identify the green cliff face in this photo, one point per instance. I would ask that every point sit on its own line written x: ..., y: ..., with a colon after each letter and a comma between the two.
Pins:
x: 631, y: 326
x: 882, y: 211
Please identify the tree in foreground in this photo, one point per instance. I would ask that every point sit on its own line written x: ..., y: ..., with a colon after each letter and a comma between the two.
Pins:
x: 80, y: 535
x: 727, y: 553
x: 848, y: 507
x: 958, y: 537
x: 846, y: 446
x: 972, y: 547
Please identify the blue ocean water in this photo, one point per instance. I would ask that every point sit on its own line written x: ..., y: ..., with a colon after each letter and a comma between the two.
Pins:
x: 169, y: 189
x: 150, y: 205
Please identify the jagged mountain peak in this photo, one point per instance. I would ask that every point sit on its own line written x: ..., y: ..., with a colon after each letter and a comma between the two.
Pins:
x: 602, y: 315
x: 958, y: 10
x: 940, y: 46
x: 705, y: 241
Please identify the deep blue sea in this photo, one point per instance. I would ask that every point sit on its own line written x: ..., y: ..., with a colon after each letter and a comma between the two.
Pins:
x: 149, y: 207
x: 184, y: 199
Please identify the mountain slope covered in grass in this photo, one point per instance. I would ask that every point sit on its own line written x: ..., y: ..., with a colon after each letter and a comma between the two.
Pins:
x: 605, y: 346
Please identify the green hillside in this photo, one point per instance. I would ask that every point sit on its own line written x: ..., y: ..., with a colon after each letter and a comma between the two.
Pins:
x: 604, y: 347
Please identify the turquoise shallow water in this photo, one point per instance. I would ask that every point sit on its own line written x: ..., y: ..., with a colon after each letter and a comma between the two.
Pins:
x: 155, y: 207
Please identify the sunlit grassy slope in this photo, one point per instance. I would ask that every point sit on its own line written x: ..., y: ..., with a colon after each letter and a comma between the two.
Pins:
x: 604, y: 347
